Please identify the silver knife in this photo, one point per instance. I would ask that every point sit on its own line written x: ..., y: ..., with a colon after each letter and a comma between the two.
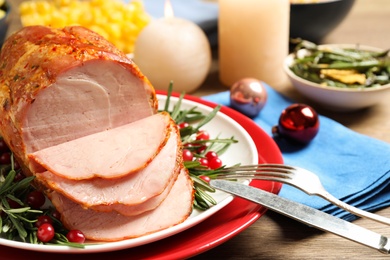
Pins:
x: 305, y: 214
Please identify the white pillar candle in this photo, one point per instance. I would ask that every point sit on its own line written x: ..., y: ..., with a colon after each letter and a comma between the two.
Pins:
x: 173, y: 49
x: 253, y: 40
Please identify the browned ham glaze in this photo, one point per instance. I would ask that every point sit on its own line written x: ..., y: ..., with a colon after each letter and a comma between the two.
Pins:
x: 111, y: 226
x: 71, y: 107
x: 59, y: 85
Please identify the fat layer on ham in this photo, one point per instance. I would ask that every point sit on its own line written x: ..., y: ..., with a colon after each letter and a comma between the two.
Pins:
x: 109, y: 154
x: 134, y: 189
x: 112, y: 226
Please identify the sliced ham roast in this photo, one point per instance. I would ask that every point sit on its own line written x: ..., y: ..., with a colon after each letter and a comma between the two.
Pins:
x: 111, y: 226
x: 131, y: 189
x: 108, y: 154
x: 59, y: 85
x: 81, y: 117
x: 140, y: 208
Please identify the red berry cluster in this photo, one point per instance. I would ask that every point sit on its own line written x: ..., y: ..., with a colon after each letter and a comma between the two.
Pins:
x: 194, y: 151
x: 36, y: 199
x: 46, y: 230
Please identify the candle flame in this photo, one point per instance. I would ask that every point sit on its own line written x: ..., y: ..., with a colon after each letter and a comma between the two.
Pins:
x: 168, y: 10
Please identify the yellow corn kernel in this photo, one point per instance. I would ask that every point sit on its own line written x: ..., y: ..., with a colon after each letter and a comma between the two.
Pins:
x: 114, y: 31
x: 33, y: 19
x: 116, y: 16
x: 58, y: 20
x: 43, y: 7
x: 62, y: 2
x: 86, y: 19
x: 118, y: 22
x: 26, y: 8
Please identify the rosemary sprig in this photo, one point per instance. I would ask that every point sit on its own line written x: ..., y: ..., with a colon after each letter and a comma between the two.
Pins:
x: 197, y: 120
x: 18, y: 223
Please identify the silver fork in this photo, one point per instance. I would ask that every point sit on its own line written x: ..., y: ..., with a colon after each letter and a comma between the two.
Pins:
x: 297, y: 177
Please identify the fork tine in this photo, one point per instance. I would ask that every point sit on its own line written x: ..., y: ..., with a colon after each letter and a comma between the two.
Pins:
x: 246, y: 174
x: 262, y: 178
x: 254, y: 172
x: 271, y: 169
x: 260, y: 166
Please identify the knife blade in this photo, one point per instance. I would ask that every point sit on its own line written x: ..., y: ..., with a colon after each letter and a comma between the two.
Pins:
x: 305, y: 214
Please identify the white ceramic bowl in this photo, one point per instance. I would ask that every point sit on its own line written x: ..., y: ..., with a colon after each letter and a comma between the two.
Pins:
x: 335, y: 98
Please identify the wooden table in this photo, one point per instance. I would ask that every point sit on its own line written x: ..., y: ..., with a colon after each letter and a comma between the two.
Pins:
x: 277, y: 237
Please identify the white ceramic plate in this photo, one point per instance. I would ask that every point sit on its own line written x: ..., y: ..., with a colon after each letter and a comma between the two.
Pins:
x: 243, y: 152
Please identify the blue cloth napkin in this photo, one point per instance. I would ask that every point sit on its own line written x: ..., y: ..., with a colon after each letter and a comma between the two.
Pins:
x: 352, y: 167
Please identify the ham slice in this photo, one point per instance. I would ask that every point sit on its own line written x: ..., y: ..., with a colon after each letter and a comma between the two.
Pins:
x: 111, y: 226
x: 137, y: 209
x: 132, y: 189
x: 109, y: 154
x: 57, y: 85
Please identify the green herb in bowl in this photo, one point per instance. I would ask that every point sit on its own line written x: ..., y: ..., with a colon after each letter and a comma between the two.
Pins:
x: 336, y: 66
x: 340, y: 77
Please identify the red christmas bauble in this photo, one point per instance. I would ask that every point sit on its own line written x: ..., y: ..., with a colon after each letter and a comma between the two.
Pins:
x: 298, y: 122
